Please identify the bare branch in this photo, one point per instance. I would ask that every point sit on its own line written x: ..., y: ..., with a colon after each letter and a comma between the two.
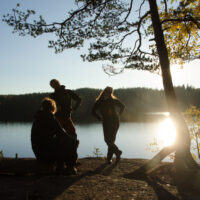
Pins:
x: 189, y: 35
x: 129, y: 11
x: 141, y: 8
x: 138, y: 29
x: 165, y: 2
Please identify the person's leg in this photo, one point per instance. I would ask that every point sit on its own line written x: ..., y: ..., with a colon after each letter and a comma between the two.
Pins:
x: 112, y: 148
x: 59, y: 166
x: 109, y: 140
x: 109, y: 155
x: 70, y: 128
x: 72, y: 155
x: 68, y: 149
x: 71, y: 163
x: 49, y: 154
x: 116, y: 150
x: 110, y: 131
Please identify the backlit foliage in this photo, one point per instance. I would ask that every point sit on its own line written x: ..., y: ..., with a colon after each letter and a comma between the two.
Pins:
x: 115, y: 30
x: 192, y: 118
x: 119, y: 31
x: 181, y: 25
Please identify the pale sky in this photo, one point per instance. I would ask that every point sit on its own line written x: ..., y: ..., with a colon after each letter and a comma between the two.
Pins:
x: 27, y: 64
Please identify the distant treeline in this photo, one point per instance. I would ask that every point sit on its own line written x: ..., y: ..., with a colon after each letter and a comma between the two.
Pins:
x: 138, y: 102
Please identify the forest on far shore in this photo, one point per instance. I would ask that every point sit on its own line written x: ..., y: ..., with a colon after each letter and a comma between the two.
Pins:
x: 138, y: 101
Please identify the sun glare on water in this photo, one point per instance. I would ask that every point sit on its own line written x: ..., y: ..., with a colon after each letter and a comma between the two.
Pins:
x: 166, y: 132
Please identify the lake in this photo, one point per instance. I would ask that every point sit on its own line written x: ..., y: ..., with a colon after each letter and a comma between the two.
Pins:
x: 132, y: 138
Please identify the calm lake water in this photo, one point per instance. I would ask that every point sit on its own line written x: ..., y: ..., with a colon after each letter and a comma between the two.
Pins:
x: 132, y: 139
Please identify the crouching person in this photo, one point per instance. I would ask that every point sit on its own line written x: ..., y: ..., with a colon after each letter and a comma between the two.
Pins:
x: 50, y: 143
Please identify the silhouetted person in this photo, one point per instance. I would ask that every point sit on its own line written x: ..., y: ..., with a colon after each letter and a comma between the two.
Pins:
x: 106, y: 104
x: 50, y: 142
x: 63, y: 98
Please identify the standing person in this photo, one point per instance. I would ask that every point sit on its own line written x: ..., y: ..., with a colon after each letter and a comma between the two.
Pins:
x: 63, y: 98
x: 106, y: 104
x: 50, y: 143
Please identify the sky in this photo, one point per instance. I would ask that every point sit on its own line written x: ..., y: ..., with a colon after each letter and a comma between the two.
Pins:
x: 27, y: 64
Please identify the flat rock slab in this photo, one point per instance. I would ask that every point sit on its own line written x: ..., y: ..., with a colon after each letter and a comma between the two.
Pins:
x: 23, y: 166
x: 30, y: 180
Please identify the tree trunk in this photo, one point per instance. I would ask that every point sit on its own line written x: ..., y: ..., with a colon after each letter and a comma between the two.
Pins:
x: 182, y: 130
x: 184, y: 161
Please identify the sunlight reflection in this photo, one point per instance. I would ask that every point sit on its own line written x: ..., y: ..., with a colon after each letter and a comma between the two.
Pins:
x: 166, y: 132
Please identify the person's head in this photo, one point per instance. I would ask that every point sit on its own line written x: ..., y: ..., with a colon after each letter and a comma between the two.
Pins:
x: 48, y: 105
x: 55, y: 84
x: 106, y: 93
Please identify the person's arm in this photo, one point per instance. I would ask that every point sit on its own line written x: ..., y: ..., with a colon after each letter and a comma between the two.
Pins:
x: 94, y: 112
x: 76, y: 98
x: 56, y: 128
x: 120, y: 105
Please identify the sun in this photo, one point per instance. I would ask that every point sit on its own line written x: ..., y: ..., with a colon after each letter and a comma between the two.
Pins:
x: 166, y: 132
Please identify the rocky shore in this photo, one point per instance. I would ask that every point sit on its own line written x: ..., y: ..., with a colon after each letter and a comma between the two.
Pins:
x: 25, y: 179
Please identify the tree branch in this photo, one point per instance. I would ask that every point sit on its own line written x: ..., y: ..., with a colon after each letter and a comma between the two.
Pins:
x: 185, y: 19
x: 129, y: 11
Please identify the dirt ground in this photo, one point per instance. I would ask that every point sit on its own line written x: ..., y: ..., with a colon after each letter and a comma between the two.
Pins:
x: 95, y: 181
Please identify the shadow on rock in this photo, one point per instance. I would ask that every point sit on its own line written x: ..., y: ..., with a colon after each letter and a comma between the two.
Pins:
x: 160, y: 191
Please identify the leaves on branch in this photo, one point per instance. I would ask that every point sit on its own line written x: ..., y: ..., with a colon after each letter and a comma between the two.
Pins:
x: 181, y: 26
x: 118, y: 32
